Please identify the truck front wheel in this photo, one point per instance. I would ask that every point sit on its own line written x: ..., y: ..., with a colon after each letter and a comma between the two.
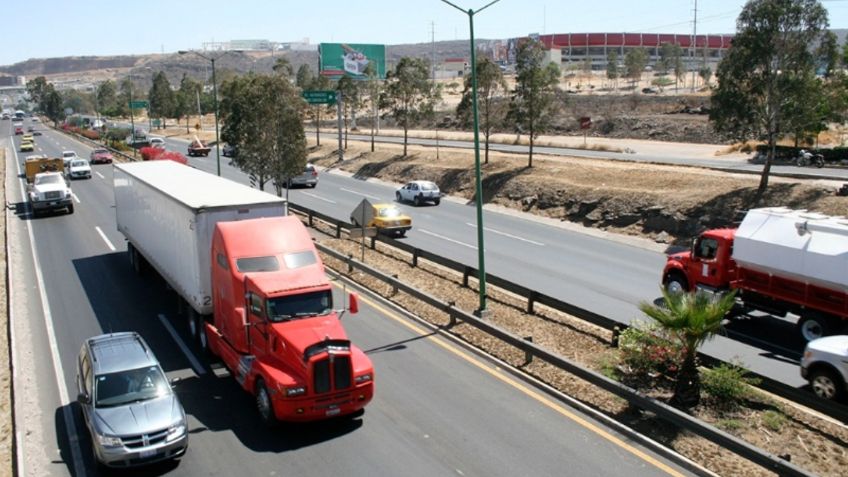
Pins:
x: 264, y: 404
x: 675, y: 283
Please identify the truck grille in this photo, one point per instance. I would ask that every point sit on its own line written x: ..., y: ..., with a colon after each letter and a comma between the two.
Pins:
x: 51, y: 195
x: 331, y: 374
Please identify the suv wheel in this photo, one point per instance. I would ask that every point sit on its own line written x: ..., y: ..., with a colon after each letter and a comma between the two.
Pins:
x: 827, y: 384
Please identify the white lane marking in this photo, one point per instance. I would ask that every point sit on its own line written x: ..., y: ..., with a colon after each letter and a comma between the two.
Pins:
x: 487, y: 229
x: 105, y: 239
x: 319, y: 197
x: 100, y: 175
x: 360, y: 193
x: 195, y: 364
x: 67, y: 414
x: 75, y: 197
x: 448, y: 239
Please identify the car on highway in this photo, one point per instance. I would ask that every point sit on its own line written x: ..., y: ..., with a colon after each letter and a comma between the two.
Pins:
x: 824, y: 365
x: 132, y: 413
x: 68, y: 156
x: 48, y: 192
x: 157, y: 142
x: 36, y: 133
x: 387, y: 219
x: 19, y: 129
x: 6, y: 116
x: 28, y: 137
x: 100, y: 156
x: 35, y: 119
x: 27, y: 146
x: 229, y: 150
x: 419, y: 192
x: 30, y: 128
x: 308, y: 178
x: 79, y: 169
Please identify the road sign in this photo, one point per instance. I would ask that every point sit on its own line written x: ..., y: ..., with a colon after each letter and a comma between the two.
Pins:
x: 363, y: 214
x: 319, y: 96
x: 585, y: 122
x: 138, y: 104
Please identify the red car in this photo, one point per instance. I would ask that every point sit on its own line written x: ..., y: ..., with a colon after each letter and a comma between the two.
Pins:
x: 100, y: 156
x: 19, y: 130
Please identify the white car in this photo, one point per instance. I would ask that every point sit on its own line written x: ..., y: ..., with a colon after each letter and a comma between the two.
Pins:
x: 157, y: 142
x: 79, y: 169
x: 825, y: 366
x: 67, y: 157
x: 419, y: 192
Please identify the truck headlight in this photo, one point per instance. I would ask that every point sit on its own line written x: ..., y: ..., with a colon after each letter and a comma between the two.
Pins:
x: 295, y: 391
x: 363, y: 378
x: 108, y: 441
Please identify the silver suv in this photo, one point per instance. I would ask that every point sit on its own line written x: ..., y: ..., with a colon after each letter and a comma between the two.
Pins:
x: 825, y: 366
x: 131, y: 412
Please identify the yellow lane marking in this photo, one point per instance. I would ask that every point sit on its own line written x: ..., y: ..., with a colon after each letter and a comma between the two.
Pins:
x: 441, y: 342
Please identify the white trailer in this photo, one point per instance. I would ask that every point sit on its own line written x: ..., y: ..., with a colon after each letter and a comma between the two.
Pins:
x: 168, y: 211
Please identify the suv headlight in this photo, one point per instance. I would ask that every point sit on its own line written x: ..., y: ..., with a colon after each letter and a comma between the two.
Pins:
x: 109, y: 441
x: 176, y: 431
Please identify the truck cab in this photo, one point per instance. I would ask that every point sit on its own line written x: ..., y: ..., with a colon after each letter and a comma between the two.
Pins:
x: 275, y: 327
x: 707, y: 264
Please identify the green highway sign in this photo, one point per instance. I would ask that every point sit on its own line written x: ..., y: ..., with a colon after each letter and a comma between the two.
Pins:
x: 319, y: 96
x: 138, y: 104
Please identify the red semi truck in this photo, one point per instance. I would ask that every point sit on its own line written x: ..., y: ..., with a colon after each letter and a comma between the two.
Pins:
x: 252, y: 283
x: 779, y: 261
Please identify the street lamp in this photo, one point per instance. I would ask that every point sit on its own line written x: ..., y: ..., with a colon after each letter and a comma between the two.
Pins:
x: 214, y: 94
x: 481, y: 312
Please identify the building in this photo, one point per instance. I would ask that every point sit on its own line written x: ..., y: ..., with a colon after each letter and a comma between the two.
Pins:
x: 580, y: 47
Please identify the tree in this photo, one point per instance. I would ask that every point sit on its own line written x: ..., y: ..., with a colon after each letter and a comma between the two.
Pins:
x: 126, y: 90
x: 409, y: 94
x: 671, y: 60
x: 107, y: 98
x: 51, y: 104
x: 78, y: 101
x: 185, y: 98
x: 533, y: 103
x: 304, y: 76
x: 161, y: 97
x: 262, y: 117
x: 349, y: 89
x: 282, y: 67
x: 373, y: 88
x: 766, y: 71
x: 705, y: 72
x: 491, y: 87
x: 690, y: 319
x: 612, y: 67
x: 37, y: 89
x: 635, y: 62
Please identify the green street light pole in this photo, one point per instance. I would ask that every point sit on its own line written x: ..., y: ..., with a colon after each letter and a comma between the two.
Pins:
x: 478, y: 192
x: 215, y: 97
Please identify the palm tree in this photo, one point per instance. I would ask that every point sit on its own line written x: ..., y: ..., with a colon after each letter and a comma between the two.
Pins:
x: 690, y: 319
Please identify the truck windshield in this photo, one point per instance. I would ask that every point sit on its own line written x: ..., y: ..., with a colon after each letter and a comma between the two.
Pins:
x: 292, y: 307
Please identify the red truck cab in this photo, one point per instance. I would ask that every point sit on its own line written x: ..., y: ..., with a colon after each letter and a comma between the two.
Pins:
x: 708, y: 264
x: 274, y: 325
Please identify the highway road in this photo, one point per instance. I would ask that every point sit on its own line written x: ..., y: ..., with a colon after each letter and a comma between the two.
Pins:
x: 599, y: 272
x: 440, y: 409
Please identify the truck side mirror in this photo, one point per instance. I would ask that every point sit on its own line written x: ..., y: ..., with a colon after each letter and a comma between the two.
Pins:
x: 83, y: 398
x: 354, y: 304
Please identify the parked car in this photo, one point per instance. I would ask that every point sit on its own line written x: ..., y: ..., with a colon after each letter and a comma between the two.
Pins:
x: 129, y: 408
x: 100, y: 156
x: 825, y: 365
x: 229, y: 150
x: 419, y: 192
x: 308, y: 178
x: 67, y: 157
x: 388, y: 219
x: 79, y: 169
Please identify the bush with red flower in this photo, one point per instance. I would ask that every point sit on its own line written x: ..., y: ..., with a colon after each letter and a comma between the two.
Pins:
x: 159, y: 154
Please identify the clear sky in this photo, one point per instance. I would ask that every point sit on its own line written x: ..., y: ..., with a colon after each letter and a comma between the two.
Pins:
x: 53, y: 28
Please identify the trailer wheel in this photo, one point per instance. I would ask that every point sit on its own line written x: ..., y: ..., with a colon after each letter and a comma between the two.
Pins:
x: 264, y: 405
x: 827, y: 384
x: 675, y: 283
x: 813, y: 327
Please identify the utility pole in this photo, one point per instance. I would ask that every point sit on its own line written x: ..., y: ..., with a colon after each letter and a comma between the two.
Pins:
x: 694, y: 48
x: 433, y: 75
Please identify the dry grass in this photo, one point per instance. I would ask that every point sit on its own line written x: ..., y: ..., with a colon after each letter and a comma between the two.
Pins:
x: 6, y: 421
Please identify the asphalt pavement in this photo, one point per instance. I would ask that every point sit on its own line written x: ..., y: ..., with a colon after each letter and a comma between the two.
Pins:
x: 439, y: 409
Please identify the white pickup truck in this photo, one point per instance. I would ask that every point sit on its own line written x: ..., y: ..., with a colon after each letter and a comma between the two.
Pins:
x: 50, y: 191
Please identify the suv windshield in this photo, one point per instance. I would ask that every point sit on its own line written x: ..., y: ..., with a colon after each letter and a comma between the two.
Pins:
x: 125, y: 387
x: 286, y: 308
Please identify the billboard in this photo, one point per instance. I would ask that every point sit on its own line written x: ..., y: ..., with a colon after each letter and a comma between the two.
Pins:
x: 339, y: 59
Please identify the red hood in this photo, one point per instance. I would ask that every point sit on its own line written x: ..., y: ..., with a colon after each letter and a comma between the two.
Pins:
x: 300, y: 334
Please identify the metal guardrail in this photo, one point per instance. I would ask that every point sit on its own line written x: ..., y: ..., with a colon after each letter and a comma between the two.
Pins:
x: 94, y: 143
x: 635, y: 398
x: 800, y: 396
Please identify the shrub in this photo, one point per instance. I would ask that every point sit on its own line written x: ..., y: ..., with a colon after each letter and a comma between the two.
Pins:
x: 774, y: 420
x: 729, y: 424
x: 90, y: 134
x: 646, y: 350
x: 727, y: 384
x: 150, y: 153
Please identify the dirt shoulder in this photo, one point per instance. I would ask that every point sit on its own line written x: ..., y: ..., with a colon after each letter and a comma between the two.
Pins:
x: 6, y: 423
x: 662, y: 202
